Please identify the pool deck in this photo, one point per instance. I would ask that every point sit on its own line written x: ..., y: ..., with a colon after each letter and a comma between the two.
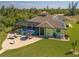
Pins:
x: 18, y: 43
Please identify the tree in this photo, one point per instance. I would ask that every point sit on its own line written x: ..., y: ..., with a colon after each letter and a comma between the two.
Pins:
x: 72, y: 9
x: 1, y: 27
x: 47, y: 7
x: 74, y: 44
x: 2, y: 9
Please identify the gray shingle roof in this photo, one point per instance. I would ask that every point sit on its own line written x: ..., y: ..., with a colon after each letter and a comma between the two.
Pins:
x: 48, y: 21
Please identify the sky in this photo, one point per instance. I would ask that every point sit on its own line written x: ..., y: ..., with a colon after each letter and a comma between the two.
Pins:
x: 37, y: 4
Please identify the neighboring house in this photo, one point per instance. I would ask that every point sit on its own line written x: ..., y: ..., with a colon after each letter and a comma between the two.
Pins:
x: 46, y: 25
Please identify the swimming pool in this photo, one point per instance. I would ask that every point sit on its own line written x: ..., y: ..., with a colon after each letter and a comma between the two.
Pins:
x: 24, y: 31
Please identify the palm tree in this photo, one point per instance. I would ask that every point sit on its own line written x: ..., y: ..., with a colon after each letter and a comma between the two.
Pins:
x: 74, y: 45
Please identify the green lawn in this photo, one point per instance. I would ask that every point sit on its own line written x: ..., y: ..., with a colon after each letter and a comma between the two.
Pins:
x: 2, y: 37
x: 47, y: 47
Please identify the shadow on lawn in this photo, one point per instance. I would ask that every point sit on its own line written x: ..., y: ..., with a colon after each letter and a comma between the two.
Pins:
x: 69, y: 52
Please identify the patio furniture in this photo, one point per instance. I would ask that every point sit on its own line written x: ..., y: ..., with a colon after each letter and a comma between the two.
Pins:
x: 12, y: 42
x: 11, y: 38
x: 23, y: 38
x: 30, y: 37
x: 15, y: 36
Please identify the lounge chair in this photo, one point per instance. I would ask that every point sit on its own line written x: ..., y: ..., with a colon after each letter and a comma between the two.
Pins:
x: 23, y: 38
x: 12, y: 42
x: 30, y: 37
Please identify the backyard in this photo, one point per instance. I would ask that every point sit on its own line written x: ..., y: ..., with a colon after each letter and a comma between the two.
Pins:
x: 15, y: 15
x: 47, y: 47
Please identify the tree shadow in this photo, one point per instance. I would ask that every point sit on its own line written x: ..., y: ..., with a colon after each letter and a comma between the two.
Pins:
x: 69, y: 52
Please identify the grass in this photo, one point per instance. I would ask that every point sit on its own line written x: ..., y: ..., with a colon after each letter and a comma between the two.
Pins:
x: 47, y: 47
x: 2, y: 37
x: 41, y: 48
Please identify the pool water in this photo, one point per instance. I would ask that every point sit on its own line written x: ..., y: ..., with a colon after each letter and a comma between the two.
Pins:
x: 24, y: 31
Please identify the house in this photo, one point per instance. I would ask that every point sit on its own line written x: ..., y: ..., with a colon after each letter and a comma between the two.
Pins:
x: 46, y: 25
